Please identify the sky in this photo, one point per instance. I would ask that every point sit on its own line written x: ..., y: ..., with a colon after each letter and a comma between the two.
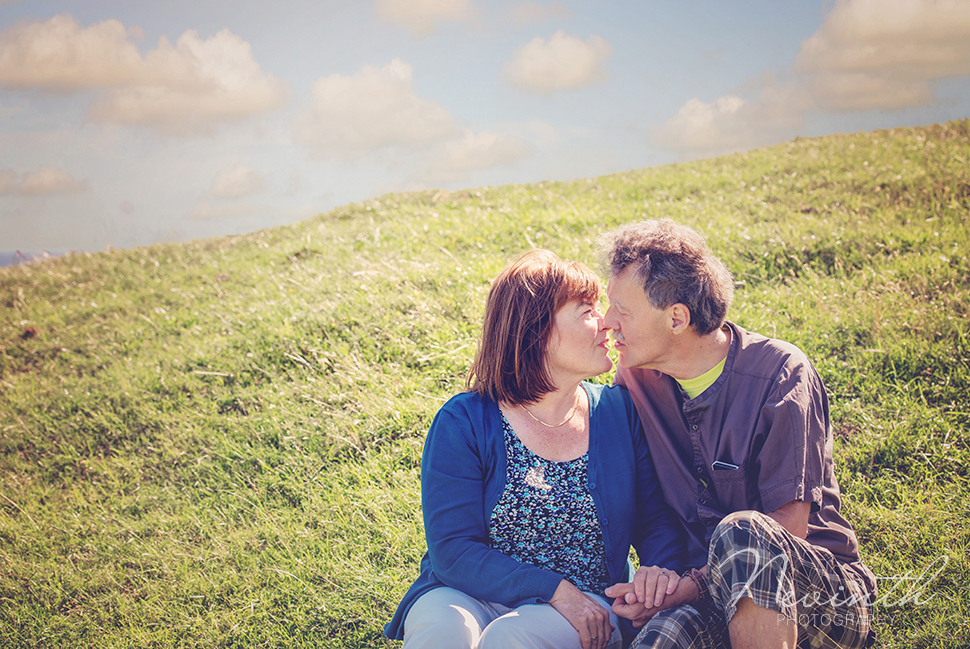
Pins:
x: 128, y: 123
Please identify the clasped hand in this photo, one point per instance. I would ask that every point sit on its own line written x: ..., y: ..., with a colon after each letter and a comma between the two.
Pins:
x: 642, y: 598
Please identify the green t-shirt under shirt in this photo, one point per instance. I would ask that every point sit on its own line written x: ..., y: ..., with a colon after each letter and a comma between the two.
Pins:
x: 696, y: 386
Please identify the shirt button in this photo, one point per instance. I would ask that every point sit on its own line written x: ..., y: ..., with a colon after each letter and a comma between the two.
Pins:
x: 694, y: 426
x: 606, y: 522
x: 609, y: 556
x: 592, y: 485
x: 699, y: 469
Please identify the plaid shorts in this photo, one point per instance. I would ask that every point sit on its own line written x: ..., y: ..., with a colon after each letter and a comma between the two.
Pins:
x: 753, y: 556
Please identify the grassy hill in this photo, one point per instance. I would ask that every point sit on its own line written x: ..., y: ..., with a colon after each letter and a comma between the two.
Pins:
x: 217, y: 443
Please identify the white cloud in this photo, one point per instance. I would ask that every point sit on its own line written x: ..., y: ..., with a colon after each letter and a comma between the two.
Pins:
x: 187, y: 88
x: 731, y: 123
x: 563, y: 63
x: 700, y: 127
x: 372, y: 110
x: 886, y: 54
x: 867, y: 55
x: 237, y: 182
x: 527, y: 13
x: 195, y: 85
x: 58, y: 55
x: 451, y: 161
x: 483, y: 150
x: 44, y: 182
x: 421, y: 17
x: 867, y: 91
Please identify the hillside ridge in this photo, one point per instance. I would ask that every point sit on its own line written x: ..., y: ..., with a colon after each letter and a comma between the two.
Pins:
x: 218, y: 442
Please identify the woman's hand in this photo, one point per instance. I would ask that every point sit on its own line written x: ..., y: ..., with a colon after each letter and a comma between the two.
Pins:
x: 626, y: 605
x: 587, y: 616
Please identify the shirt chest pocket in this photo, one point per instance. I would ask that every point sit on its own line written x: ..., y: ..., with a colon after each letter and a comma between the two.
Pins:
x: 726, y: 491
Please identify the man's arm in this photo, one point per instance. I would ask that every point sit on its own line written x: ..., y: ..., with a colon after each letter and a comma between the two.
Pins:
x: 793, y: 516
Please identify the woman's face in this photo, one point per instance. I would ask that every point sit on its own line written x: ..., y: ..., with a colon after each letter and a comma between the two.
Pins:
x: 578, y: 347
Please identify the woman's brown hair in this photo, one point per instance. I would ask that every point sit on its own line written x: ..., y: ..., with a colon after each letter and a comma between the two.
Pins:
x: 520, y: 313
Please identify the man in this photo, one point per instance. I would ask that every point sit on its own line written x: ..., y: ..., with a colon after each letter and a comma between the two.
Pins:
x: 738, y: 427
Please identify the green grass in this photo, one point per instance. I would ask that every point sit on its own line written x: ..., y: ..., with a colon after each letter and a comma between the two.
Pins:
x: 217, y: 443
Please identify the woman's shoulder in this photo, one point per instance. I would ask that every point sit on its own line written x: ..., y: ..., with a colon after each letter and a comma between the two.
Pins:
x: 467, y: 421
x: 466, y: 401
x: 612, y: 412
x: 469, y: 407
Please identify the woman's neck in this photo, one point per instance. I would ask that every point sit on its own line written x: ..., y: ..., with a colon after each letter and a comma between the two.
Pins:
x: 556, y: 408
x: 556, y: 427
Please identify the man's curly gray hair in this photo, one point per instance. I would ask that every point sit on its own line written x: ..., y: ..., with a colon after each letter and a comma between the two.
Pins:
x: 674, y: 265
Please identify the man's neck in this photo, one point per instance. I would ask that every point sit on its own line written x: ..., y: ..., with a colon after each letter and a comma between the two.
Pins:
x: 696, y: 355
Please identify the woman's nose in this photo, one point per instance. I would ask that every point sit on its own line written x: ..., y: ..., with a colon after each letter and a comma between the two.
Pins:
x: 602, y: 319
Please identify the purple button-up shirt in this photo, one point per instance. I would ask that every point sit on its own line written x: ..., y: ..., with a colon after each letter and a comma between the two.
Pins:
x: 757, y: 438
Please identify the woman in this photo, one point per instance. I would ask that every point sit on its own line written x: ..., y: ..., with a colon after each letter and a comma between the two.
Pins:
x: 535, y: 484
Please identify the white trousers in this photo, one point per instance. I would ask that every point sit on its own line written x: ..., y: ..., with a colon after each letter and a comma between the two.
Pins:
x: 445, y: 618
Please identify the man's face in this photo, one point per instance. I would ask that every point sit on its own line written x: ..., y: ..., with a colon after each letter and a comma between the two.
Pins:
x: 640, y: 333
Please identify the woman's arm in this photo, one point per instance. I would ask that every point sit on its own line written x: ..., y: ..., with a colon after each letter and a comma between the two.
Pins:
x: 658, y: 537
x: 455, y: 469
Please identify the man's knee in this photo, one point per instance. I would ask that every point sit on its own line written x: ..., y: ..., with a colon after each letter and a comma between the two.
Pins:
x: 749, y: 559
x: 740, y: 531
x: 748, y: 519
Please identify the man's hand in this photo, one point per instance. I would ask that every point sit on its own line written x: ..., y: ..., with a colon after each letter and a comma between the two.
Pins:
x: 627, y: 603
x: 652, y: 584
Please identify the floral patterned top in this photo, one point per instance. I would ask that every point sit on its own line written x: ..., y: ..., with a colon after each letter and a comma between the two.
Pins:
x: 546, y: 517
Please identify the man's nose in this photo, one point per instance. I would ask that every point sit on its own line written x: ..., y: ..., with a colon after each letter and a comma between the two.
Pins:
x: 609, y: 319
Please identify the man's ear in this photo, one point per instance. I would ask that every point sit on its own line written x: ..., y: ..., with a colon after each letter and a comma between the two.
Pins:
x: 679, y: 318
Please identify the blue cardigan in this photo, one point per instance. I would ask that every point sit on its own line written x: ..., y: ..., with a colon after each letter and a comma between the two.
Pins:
x: 463, y: 477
